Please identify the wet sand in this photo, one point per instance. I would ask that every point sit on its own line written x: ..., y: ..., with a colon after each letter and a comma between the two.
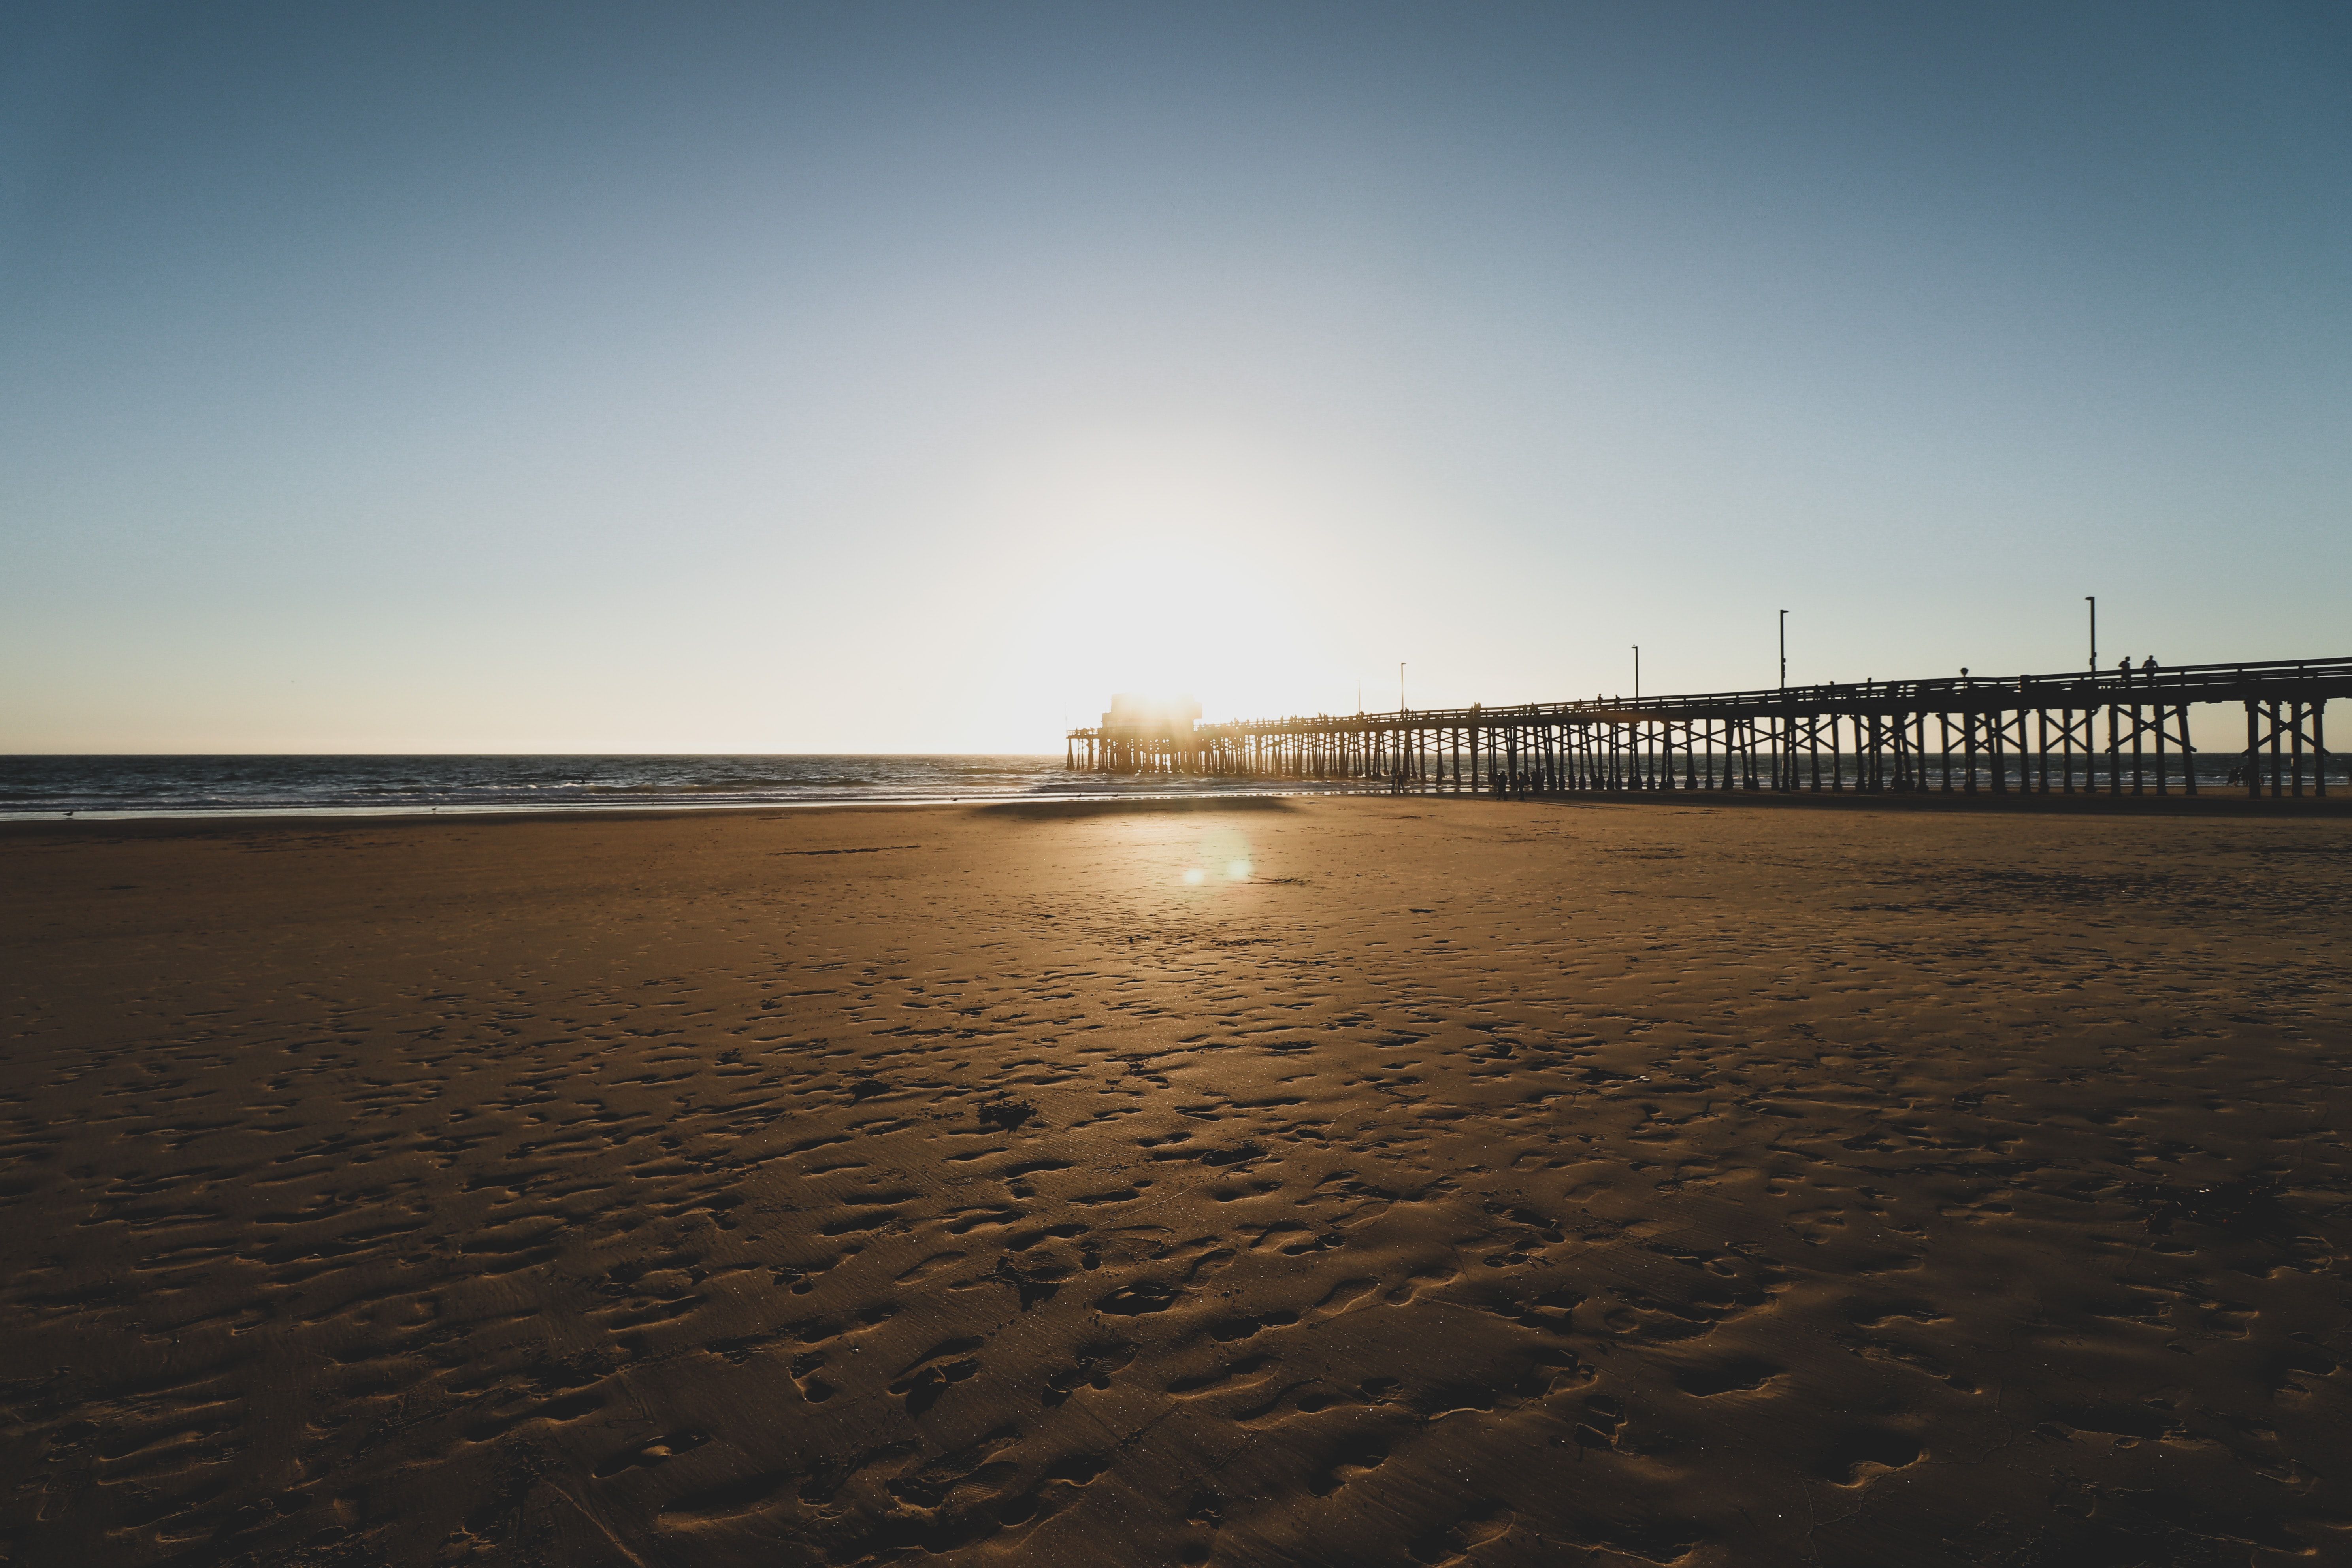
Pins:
x: 1429, y: 1182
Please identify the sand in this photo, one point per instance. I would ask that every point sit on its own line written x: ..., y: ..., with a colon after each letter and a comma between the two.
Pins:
x: 1428, y: 1182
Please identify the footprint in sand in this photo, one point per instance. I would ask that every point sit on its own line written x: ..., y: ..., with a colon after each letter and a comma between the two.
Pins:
x: 1421, y: 1282
x: 646, y: 1456
x: 1094, y: 1368
x: 1306, y: 1397
x: 1855, y: 1458
x: 1239, y: 1374
x: 814, y: 1389
x: 1598, y: 1425
x: 1358, y: 1459
x: 1346, y: 1294
x: 938, y: 1263
x: 1739, y: 1374
x: 921, y: 1385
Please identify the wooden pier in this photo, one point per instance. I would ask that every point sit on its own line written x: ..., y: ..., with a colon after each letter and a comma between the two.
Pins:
x: 2116, y: 731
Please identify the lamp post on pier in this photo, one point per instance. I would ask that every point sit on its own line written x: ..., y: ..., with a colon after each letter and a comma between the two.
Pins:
x: 1637, y: 672
x: 1783, y: 764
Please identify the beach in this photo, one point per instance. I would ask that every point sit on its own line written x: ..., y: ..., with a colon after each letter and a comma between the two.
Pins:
x: 1362, y: 1181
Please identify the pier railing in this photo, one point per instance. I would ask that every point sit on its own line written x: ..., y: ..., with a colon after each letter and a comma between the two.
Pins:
x: 1965, y: 732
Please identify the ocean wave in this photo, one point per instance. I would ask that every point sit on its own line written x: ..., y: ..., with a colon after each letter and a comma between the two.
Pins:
x: 200, y: 785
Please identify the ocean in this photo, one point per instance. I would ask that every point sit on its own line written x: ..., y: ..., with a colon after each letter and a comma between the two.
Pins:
x: 48, y: 786
x: 51, y: 786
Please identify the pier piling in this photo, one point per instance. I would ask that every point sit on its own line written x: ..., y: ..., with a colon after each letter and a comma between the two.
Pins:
x: 1870, y: 737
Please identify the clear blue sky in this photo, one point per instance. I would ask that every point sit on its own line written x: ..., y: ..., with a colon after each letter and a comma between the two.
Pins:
x: 910, y: 377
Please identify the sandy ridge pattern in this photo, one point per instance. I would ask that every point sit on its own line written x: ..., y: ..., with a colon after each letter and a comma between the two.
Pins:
x: 1428, y: 1183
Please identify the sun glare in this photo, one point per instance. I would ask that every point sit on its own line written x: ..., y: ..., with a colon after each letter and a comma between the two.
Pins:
x: 1191, y: 544
x: 1220, y: 853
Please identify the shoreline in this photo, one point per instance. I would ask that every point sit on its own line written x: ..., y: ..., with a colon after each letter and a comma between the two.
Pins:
x: 2212, y: 802
x: 18, y: 826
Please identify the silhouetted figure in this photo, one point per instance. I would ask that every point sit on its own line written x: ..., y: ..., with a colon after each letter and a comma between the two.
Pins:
x: 2147, y: 664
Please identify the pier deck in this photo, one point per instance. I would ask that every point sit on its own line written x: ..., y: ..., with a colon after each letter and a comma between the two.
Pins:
x: 2121, y: 731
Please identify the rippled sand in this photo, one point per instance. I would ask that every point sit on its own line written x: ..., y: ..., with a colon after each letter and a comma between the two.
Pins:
x: 1416, y: 1181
